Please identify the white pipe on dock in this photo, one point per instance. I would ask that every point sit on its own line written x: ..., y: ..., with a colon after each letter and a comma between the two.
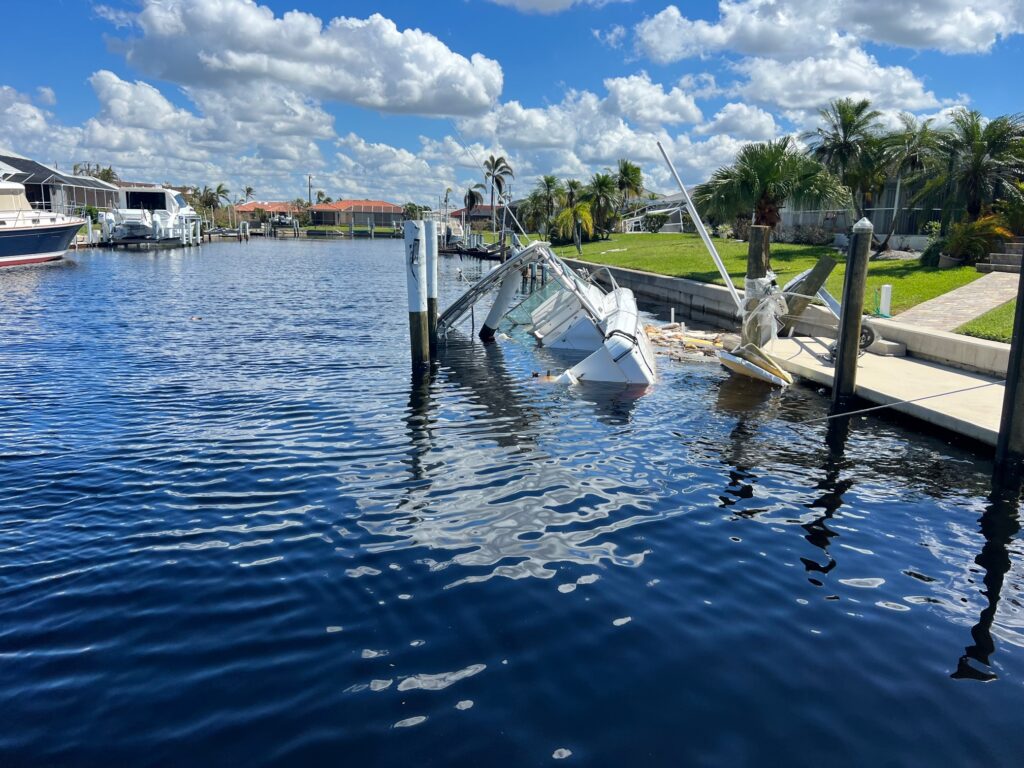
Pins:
x: 416, y: 283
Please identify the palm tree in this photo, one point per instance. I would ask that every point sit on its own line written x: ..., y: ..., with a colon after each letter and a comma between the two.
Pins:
x: 496, y: 171
x: 222, y: 193
x: 765, y: 176
x: 630, y: 181
x: 841, y: 144
x: 248, y: 194
x: 572, y: 190
x: 906, y: 152
x: 601, y: 193
x: 474, y: 196
x: 573, y: 221
x: 977, y: 162
x: 208, y: 197
x: 549, y: 189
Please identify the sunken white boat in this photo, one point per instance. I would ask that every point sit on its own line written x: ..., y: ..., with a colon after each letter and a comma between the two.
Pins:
x: 579, y: 315
x: 29, y: 235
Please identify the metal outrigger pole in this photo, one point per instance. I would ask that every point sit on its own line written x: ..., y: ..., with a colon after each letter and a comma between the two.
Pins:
x: 692, y: 209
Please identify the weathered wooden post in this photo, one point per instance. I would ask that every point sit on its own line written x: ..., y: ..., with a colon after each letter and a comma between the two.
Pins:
x: 844, y: 381
x: 430, y: 236
x: 755, y: 331
x: 800, y: 297
x: 1010, y: 445
x: 416, y: 282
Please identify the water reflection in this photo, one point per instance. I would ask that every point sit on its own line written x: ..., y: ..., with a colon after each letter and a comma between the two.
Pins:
x: 999, y: 525
x: 520, y: 510
x: 832, y: 488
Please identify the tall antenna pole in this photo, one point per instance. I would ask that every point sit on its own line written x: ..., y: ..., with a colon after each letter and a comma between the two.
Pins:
x: 309, y: 192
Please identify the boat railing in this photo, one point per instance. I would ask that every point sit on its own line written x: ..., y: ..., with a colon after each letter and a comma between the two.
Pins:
x: 33, y: 217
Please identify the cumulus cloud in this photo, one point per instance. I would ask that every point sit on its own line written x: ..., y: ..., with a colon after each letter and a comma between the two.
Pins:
x: 647, y: 103
x: 367, y: 62
x: 812, y: 82
x: 742, y: 121
x: 613, y: 37
x: 46, y: 96
x: 551, y: 6
x: 798, y: 28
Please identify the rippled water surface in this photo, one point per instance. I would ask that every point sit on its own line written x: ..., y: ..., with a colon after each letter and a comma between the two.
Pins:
x: 235, y: 530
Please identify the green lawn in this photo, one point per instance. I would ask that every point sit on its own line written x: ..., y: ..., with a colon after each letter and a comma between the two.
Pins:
x: 996, y: 324
x: 685, y: 256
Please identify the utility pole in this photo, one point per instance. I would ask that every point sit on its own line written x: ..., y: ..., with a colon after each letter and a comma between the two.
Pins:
x: 309, y: 191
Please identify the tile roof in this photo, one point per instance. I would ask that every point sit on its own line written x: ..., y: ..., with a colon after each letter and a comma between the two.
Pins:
x: 359, y: 206
x: 269, y: 206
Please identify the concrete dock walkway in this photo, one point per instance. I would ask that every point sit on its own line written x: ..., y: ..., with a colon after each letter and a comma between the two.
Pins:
x: 951, y: 310
x: 973, y: 411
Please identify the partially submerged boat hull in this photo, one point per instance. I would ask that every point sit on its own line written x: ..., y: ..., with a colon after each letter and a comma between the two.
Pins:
x: 582, y: 318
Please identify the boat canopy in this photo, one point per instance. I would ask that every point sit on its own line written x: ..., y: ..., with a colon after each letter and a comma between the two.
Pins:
x: 12, y: 197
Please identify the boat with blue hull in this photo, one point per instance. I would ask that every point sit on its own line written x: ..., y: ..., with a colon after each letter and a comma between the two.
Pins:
x: 28, y: 235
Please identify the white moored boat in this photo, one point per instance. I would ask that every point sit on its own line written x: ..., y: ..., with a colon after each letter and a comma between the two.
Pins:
x: 151, y: 215
x: 580, y: 316
x: 28, y: 235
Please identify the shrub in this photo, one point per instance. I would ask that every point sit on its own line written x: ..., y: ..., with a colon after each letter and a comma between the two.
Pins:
x: 805, y: 234
x: 653, y: 222
x: 1012, y: 210
x: 741, y: 228
x: 972, y: 240
x: 92, y: 214
x: 930, y: 255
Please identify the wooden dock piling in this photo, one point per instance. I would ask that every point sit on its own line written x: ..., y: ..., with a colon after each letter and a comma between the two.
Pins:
x: 1010, y: 446
x: 430, y: 240
x: 844, y: 382
x: 416, y: 283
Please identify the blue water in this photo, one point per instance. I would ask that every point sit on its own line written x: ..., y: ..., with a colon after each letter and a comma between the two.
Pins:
x: 235, y: 530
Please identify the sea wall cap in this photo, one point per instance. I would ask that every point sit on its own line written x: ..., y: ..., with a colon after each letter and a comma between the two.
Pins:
x: 864, y: 225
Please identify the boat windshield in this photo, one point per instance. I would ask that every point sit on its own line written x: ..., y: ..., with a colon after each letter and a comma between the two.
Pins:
x: 180, y: 200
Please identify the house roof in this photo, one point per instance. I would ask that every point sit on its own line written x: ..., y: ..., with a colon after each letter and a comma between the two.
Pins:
x: 359, y: 206
x: 270, y: 206
x: 478, y: 210
x: 25, y: 171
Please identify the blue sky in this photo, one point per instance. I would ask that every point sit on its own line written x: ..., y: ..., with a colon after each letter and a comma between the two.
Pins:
x: 205, y: 91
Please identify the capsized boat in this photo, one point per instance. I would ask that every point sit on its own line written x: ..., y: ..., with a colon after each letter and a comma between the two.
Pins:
x: 580, y: 316
x: 29, y: 235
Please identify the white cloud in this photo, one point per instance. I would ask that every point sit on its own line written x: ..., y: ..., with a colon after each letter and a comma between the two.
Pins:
x: 551, y: 6
x: 613, y: 37
x: 742, y: 121
x: 137, y: 105
x: 366, y: 62
x: 799, y: 28
x: 812, y: 82
x: 638, y: 99
x: 46, y: 96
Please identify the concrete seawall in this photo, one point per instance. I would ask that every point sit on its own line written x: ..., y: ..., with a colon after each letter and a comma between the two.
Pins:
x: 712, y: 304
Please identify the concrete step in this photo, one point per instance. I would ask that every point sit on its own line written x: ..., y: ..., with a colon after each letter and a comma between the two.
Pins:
x: 1012, y: 259
x: 998, y: 268
x: 1013, y: 248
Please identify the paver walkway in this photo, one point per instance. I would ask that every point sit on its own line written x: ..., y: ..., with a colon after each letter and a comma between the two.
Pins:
x: 951, y: 310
